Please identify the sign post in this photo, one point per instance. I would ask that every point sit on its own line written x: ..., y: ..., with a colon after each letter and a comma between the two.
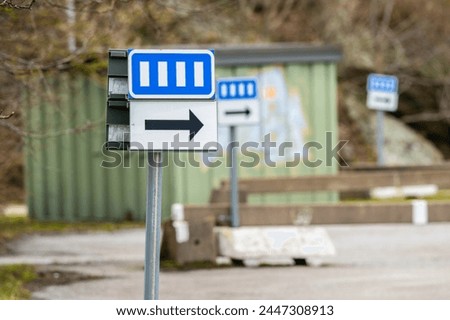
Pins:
x: 153, y: 226
x: 172, y: 107
x: 381, y: 96
x: 380, y: 137
x: 234, y: 191
x: 238, y: 104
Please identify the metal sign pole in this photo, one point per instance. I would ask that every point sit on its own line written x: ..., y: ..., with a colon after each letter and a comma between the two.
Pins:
x: 153, y: 227
x: 380, y: 137
x: 187, y: 90
x: 234, y: 192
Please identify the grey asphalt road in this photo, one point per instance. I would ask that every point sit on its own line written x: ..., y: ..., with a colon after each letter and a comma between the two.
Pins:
x: 373, y: 262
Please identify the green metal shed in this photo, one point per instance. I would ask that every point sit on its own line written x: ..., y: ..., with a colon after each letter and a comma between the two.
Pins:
x: 70, y: 177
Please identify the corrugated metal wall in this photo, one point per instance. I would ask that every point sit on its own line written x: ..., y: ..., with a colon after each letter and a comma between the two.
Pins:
x: 65, y: 178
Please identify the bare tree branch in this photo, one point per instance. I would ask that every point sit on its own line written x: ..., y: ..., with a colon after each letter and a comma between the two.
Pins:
x: 387, y: 14
x: 11, y: 4
x: 89, y: 125
x: 426, y: 117
x: 279, y: 12
x: 17, y: 66
x: 8, y: 125
x: 6, y: 117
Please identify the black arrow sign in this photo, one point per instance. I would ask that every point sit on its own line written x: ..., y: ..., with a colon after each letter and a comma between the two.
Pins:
x: 193, y: 125
x: 238, y: 112
x: 381, y: 99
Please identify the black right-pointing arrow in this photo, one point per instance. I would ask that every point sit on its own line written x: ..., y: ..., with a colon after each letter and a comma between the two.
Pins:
x: 193, y: 125
x: 238, y: 112
x: 381, y: 99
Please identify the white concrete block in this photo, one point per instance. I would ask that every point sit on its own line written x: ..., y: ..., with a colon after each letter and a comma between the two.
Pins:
x: 179, y: 224
x: 15, y: 210
x: 405, y: 191
x: 181, y: 231
x: 177, y: 212
x: 267, y: 244
x: 424, y: 190
x: 419, y: 212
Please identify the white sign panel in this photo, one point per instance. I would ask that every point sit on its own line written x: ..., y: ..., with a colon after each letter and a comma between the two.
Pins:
x: 238, y: 102
x: 382, y: 92
x: 173, y: 125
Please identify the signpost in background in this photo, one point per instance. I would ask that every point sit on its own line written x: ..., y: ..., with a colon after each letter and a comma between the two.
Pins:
x: 172, y: 107
x: 382, y: 95
x: 238, y: 104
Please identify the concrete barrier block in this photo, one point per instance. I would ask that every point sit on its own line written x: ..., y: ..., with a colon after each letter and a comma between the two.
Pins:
x: 270, y: 244
x: 419, y: 212
x: 404, y: 191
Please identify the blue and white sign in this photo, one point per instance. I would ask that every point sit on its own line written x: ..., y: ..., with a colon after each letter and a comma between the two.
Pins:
x: 238, y: 101
x: 382, y: 83
x: 171, y: 74
x: 382, y: 92
x: 237, y: 88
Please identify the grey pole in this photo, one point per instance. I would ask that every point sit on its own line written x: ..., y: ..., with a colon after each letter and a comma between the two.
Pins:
x: 153, y: 227
x: 380, y: 137
x: 234, y: 192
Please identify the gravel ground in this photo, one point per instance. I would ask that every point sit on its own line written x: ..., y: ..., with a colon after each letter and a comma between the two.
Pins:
x: 373, y: 262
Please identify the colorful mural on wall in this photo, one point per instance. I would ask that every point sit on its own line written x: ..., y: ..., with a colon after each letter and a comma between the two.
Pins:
x: 283, y: 117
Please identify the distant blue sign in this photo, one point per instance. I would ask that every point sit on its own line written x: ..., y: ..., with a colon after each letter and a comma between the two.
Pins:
x: 382, y: 83
x: 171, y: 74
x: 236, y: 89
x: 382, y: 92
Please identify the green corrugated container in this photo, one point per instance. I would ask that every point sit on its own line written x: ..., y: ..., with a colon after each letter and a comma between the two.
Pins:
x: 65, y: 177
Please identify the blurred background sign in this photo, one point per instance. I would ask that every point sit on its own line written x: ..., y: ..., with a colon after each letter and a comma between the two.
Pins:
x: 382, y: 92
x: 238, y: 101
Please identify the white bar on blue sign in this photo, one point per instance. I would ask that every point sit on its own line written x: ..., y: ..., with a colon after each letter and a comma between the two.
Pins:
x: 198, y: 74
x: 181, y: 73
x: 223, y: 90
x: 241, y: 89
x: 144, y: 67
x: 250, y: 89
x: 232, y: 89
x: 162, y: 74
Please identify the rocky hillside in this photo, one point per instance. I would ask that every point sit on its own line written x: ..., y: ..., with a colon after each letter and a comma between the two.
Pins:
x: 407, y: 38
